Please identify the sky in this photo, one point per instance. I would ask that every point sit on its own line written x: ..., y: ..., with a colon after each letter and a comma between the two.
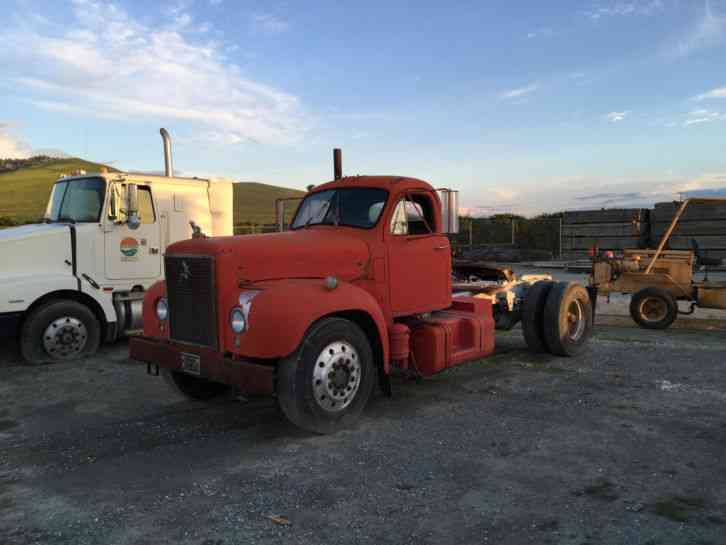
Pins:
x: 525, y: 107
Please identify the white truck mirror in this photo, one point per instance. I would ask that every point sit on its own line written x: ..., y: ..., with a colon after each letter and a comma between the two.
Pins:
x: 449, y: 210
x: 132, y: 206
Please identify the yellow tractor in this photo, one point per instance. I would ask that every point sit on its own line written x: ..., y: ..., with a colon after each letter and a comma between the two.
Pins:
x: 658, y: 279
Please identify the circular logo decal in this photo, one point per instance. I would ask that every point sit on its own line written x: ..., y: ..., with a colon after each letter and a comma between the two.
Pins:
x: 129, y: 247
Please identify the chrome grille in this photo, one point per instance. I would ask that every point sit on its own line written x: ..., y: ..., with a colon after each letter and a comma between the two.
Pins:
x: 191, y: 294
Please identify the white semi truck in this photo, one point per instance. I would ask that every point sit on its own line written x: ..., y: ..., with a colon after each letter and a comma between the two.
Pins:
x: 78, y: 279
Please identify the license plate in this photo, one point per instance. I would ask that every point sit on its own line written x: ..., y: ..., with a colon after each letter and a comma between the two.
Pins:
x: 191, y: 363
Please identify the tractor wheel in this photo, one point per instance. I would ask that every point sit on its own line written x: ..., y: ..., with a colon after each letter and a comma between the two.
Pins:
x: 533, y: 315
x: 325, y: 384
x: 195, y: 388
x: 567, y: 319
x: 60, y: 330
x: 653, y: 308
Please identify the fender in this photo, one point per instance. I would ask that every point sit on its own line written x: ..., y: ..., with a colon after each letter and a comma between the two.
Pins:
x: 283, y: 311
x: 19, y: 293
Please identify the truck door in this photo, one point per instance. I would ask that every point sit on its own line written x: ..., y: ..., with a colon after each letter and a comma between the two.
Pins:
x: 419, y: 258
x: 134, y: 253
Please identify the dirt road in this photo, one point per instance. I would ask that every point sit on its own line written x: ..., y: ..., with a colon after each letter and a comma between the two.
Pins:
x: 624, y: 444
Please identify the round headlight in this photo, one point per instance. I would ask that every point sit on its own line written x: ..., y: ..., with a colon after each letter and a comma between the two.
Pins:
x: 237, y: 320
x: 162, y: 309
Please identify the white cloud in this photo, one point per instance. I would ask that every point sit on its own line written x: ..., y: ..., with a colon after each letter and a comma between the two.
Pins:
x: 719, y: 92
x: 622, y: 8
x: 111, y: 65
x: 544, y: 32
x: 614, y: 117
x: 268, y: 24
x: 519, y: 92
x: 696, y: 117
x: 12, y: 147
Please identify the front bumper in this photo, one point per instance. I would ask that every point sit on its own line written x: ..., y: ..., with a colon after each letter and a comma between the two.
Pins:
x: 250, y: 378
x: 10, y: 324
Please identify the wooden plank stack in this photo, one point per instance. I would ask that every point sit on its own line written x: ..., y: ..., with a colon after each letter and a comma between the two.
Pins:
x: 706, y: 223
x: 610, y: 229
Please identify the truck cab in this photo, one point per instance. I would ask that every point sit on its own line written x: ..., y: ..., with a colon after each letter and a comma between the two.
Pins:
x: 79, y: 277
x: 360, y: 286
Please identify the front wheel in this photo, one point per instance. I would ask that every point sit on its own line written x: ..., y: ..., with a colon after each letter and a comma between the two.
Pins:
x: 653, y: 308
x: 325, y: 384
x: 59, y: 330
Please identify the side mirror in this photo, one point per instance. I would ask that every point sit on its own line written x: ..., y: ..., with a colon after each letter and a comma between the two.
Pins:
x: 449, y: 210
x: 132, y: 206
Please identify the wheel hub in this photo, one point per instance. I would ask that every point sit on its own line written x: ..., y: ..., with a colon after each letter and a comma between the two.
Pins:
x: 337, y: 375
x: 65, y: 337
x: 575, y: 320
x: 653, y: 309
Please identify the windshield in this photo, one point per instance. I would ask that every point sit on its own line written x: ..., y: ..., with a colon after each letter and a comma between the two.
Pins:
x: 76, y: 201
x: 355, y: 207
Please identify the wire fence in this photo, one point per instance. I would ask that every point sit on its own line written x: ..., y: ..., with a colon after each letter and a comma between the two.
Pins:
x: 540, y: 237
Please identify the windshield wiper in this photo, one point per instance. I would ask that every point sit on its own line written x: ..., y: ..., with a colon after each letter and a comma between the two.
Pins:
x: 69, y: 220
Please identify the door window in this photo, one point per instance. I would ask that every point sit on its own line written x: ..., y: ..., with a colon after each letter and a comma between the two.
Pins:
x: 146, y: 206
x: 413, y: 216
x: 147, y: 214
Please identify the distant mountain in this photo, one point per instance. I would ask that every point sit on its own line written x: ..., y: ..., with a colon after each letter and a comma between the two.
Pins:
x: 717, y: 192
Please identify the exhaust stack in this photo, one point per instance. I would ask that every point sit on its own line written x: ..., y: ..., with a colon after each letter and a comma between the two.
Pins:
x: 168, y: 163
x: 337, y: 164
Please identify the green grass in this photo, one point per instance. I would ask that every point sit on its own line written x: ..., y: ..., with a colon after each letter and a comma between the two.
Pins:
x: 24, y: 192
x: 255, y: 203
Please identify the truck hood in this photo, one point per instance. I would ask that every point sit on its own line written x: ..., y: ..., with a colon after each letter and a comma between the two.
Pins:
x: 304, y: 253
x: 33, y: 249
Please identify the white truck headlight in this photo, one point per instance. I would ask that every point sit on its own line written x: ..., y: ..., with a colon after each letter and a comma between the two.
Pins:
x: 237, y: 320
x: 162, y: 309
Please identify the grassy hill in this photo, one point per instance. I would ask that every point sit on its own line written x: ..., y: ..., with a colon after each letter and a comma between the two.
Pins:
x: 24, y: 192
x: 254, y: 203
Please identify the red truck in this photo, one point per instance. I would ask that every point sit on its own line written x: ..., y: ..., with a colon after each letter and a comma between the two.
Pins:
x: 360, y: 287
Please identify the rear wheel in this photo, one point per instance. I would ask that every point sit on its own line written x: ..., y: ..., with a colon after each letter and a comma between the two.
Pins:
x: 324, y: 386
x: 533, y: 315
x: 195, y: 388
x: 567, y: 319
x: 653, y: 308
x: 59, y: 330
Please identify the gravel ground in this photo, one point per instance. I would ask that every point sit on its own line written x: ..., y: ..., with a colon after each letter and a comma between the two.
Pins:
x: 623, y: 444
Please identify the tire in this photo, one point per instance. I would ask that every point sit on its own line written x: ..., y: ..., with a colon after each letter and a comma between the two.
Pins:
x: 653, y: 308
x: 505, y: 320
x: 194, y: 388
x: 320, y: 388
x: 60, y: 330
x: 533, y: 315
x: 567, y: 319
